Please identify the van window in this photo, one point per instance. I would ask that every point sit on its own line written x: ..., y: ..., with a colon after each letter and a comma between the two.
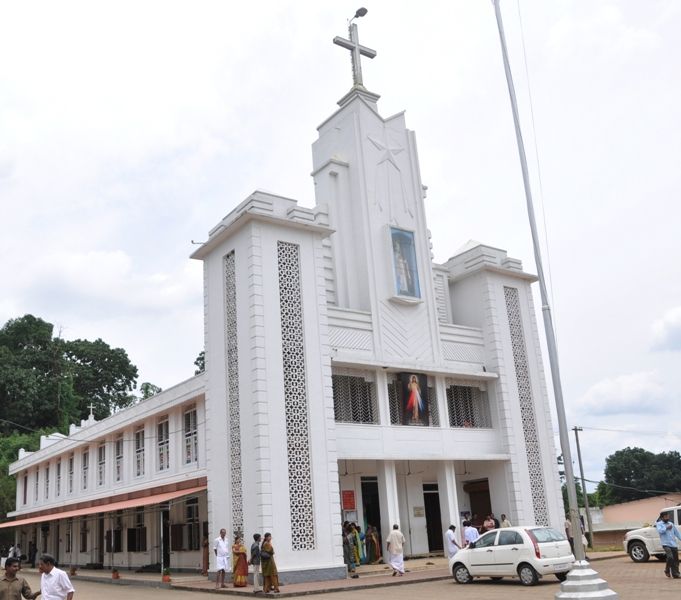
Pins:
x: 678, y: 516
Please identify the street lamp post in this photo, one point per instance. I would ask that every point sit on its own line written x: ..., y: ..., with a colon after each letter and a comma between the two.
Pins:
x: 586, y: 580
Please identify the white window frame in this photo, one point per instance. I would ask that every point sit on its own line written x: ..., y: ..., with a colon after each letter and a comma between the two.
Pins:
x: 36, y: 486
x: 163, y: 444
x: 101, y: 465
x: 57, y: 485
x: 69, y: 481
x: 85, y: 468
x: 191, y: 436
x: 47, y: 481
x: 118, y: 463
x: 139, y: 452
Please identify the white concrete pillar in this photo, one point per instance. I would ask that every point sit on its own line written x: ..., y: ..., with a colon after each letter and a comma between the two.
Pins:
x: 449, y: 499
x: 387, y: 496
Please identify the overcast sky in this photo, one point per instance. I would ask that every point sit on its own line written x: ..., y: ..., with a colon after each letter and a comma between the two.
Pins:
x: 128, y: 129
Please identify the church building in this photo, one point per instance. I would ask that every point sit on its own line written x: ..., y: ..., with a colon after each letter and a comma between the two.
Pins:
x: 348, y: 377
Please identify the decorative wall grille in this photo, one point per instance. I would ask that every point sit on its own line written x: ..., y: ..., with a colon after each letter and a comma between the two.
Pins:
x: 468, y: 407
x: 354, y: 399
x: 233, y: 412
x: 395, y: 403
x: 295, y: 398
x: 527, y: 415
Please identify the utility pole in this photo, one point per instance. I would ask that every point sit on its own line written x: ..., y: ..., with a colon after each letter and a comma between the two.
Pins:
x: 586, y: 496
x: 582, y: 581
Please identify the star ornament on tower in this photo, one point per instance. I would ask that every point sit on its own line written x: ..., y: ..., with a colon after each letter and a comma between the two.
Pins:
x: 356, y: 49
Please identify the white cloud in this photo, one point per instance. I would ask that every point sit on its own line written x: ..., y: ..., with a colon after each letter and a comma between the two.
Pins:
x: 632, y: 393
x: 667, y: 330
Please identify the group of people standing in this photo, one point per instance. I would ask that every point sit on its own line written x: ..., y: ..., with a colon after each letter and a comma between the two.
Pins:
x: 360, y: 548
x: 471, y: 533
x: 261, y: 559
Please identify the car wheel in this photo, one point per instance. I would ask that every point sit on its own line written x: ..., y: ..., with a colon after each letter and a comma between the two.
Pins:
x: 638, y: 552
x: 527, y: 575
x: 561, y: 576
x: 461, y: 574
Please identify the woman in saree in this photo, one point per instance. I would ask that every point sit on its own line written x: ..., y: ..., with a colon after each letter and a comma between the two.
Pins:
x: 239, y: 563
x: 373, y: 545
x: 269, y: 567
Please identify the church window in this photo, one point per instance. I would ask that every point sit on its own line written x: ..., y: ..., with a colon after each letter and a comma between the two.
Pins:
x: 193, y: 525
x: 354, y: 398
x: 85, y: 468
x: 101, y: 464
x: 47, y: 482
x: 139, y: 452
x: 163, y: 443
x: 191, y: 437
x: 468, y: 407
x: 57, y: 489
x: 118, y: 465
x: 25, y: 489
x: 404, y: 263
x: 36, y: 485
x: 69, y: 480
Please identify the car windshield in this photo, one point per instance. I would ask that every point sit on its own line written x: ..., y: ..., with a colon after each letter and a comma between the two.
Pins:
x: 546, y: 534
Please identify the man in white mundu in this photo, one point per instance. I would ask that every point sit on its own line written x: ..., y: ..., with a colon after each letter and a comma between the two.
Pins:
x: 450, y: 537
x: 395, y: 542
x: 221, y: 549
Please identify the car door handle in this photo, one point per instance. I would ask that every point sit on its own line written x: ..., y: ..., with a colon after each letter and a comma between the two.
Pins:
x: 489, y: 550
x: 514, y: 549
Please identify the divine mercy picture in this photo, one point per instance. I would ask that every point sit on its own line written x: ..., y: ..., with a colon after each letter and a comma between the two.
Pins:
x: 414, y: 398
x: 404, y: 263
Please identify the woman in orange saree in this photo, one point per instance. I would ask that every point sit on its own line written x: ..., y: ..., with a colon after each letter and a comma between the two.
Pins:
x: 239, y: 563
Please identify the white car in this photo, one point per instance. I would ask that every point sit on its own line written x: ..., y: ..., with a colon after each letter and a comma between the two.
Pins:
x: 641, y: 544
x: 527, y: 553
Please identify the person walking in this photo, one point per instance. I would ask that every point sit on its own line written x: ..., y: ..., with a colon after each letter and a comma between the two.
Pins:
x: 668, y: 532
x: 269, y: 567
x: 13, y: 587
x: 221, y: 549
x: 54, y: 583
x: 255, y: 561
x: 450, y: 539
x: 395, y: 544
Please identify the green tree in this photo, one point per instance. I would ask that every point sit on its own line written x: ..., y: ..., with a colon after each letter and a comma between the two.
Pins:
x: 635, y: 473
x: 9, y: 449
x: 47, y: 382
x: 148, y: 390
x: 200, y: 363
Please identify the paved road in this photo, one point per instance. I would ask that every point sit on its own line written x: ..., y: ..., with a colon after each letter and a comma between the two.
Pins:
x: 631, y: 581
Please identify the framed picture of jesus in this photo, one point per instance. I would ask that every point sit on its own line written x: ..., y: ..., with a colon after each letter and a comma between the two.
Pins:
x: 414, y: 398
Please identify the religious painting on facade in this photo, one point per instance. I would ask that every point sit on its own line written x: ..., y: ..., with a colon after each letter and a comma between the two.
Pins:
x: 404, y: 263
x: 414, y: 398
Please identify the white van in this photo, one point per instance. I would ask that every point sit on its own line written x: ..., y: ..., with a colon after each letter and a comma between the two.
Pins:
x: 641, y: 544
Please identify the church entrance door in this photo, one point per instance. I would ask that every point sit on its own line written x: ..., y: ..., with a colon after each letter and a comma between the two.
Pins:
x: 431, y: 501
x: 370, y: 506
x: 481, y: 504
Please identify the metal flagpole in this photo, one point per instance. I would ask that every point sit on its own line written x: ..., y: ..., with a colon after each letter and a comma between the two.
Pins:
x: 572, y: 585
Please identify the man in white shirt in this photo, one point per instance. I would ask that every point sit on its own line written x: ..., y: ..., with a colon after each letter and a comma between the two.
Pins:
x: 221, y: 549
x: 395, y: 543
x: 450, y: 539
x: 54, y: 583
x: 470, y: 533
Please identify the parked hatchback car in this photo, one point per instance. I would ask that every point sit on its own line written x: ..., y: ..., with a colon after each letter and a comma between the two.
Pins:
x: 641, y: 544
x: 527, y: 553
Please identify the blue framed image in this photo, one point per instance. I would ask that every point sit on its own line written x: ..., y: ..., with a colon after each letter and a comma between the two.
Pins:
x: 404, y: 263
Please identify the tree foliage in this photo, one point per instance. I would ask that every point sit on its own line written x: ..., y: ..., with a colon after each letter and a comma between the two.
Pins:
x: 635, y: 473
x: 200, y: 363
x: 48, y: 382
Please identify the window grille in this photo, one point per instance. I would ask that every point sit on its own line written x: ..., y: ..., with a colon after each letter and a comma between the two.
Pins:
x: 58, y: 482
x: 468, y: 407
x: 163, y: 436
x: 35, y: 485
x: 69, y: 483
x: 395, y: 401
x: 47, y: 482
x: 101, y: 464
x: 86, y: 467
x: 191, y: 438
x: 119, y: 458
x: 139, y: 452
x: 354, y: 399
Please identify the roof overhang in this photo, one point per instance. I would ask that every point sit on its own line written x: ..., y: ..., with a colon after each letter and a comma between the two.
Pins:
x: 104, y: 508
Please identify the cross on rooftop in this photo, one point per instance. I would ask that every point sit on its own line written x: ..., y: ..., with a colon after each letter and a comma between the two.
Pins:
x: 356, y: 51
x: 91, y: 407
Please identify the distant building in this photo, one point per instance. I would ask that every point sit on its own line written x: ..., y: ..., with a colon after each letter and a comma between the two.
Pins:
x: 348, y: 377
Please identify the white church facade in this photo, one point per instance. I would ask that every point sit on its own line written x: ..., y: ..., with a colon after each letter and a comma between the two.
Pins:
x: 348, y: 377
